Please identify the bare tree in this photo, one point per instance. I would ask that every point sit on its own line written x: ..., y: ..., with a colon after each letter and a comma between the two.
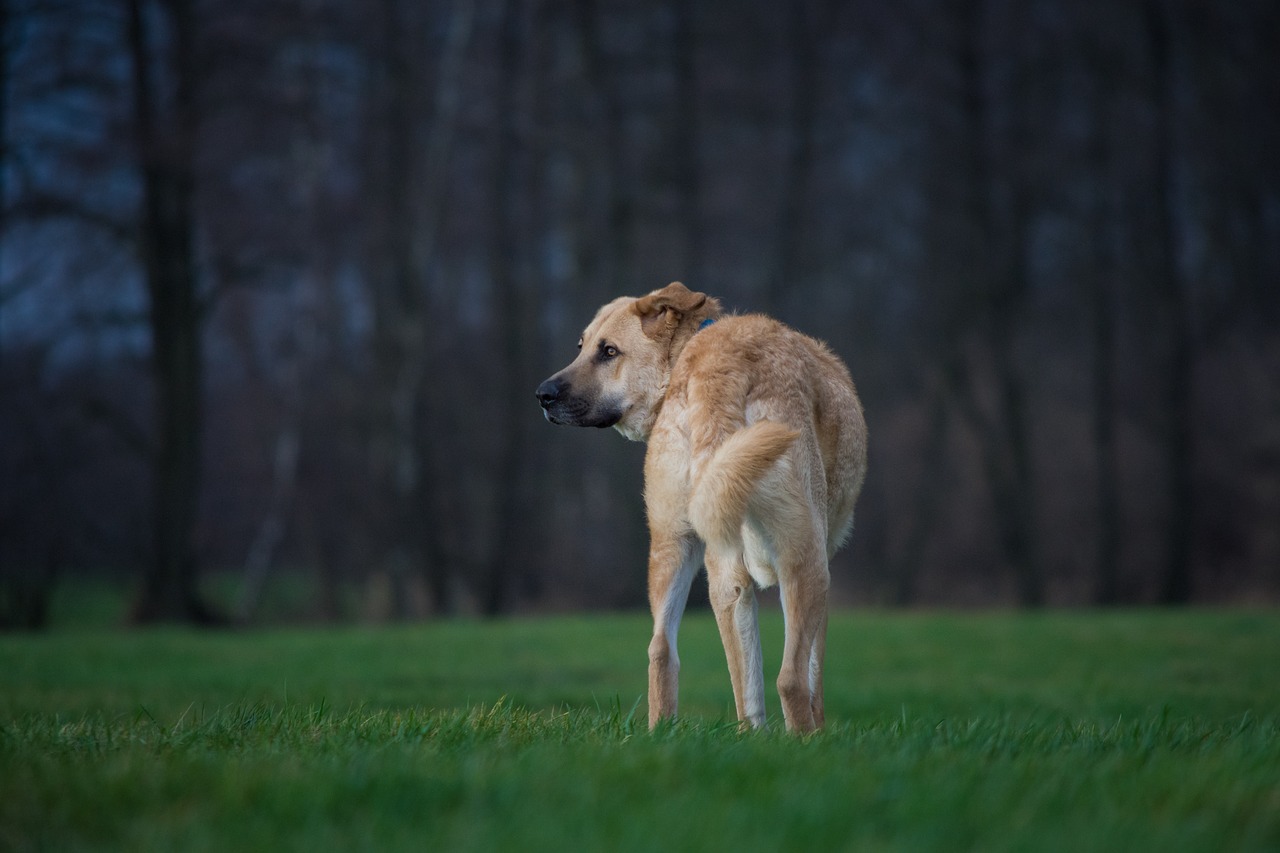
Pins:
x: 1170, y: 302
x: 686, y: 138
x: 1106, y: 581
x: 605, y: 250
x: 510, y: 318
x: 807, y: 26
x: 165, y: 129
x: 411, y: 140
x: 4, y: 126
x: 995, y: 278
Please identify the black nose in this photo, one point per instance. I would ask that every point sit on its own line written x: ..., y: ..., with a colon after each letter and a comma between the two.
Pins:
x: 551, y: 390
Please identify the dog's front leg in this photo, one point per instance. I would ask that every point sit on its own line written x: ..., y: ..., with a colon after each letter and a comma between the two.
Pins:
x: 672, y: 564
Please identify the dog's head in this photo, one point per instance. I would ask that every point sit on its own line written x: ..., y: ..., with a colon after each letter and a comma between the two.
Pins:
x: 624, y: 361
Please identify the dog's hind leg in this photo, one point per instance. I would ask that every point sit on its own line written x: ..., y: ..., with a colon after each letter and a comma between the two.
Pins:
x: 816, y: 657
x: 733, y: 598
x: 804, y: 586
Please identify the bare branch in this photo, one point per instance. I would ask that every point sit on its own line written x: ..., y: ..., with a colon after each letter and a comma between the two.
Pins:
x: 36, y: 207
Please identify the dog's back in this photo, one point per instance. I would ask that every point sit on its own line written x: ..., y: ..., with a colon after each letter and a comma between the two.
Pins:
x: 770, y: 411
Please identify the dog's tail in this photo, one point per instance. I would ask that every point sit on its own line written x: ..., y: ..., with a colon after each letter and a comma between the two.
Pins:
x: 724, y: 489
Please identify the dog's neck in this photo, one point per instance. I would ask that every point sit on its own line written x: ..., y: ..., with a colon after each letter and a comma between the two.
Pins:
x: 696, y: 321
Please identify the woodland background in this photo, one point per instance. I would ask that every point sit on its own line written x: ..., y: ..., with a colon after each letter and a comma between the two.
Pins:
x: 278, y: 280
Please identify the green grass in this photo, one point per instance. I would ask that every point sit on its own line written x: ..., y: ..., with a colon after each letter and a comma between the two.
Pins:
x: 1112, y: 731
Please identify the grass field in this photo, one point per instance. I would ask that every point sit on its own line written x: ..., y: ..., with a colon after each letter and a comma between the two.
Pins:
x: 1060, y: 731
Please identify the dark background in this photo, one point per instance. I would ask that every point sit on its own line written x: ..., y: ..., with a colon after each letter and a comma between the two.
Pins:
x: 278, y: 279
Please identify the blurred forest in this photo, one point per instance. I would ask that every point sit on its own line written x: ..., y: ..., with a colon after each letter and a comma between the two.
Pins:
x: 278, y: 280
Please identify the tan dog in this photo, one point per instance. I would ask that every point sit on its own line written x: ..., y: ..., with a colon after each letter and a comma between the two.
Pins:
x: 757, y: 451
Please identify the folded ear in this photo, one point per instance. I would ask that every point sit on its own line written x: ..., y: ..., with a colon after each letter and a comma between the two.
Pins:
x: 663, y: 309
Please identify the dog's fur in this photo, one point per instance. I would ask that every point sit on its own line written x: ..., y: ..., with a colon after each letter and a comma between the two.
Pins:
x: 757, y: 451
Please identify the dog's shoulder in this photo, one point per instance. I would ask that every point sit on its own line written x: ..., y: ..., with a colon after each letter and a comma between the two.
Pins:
x: 753, y: 348
x: 730, y: 339
x: 744, y: 368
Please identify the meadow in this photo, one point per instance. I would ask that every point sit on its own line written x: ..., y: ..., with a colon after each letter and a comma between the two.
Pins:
x: 1128, y: 730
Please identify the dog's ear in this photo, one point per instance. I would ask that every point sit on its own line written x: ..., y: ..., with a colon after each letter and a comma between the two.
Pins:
x: 661, y: 311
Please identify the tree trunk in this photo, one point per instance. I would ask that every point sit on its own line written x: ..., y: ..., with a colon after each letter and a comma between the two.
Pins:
x: 266, y: 542
x: 804, y: 37
x: 169, y: 584
x: 998, y: 285
x: 410, y: 176
x: 4, y: 130
x: 1015, y: 478
x: 1107, y: 555
x: 1106, y: 580
x: 685, y: 139
x: 1171, y: 318
x: 905, y: 571
x: 508, y: 315
x: 605, y: 271
x: 438, y: 573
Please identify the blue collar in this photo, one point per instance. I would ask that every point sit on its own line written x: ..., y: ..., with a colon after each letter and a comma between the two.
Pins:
x: 705, y: 323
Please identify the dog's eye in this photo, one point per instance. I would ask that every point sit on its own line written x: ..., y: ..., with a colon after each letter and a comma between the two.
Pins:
x: 609, y: 351
x: 579, y: 343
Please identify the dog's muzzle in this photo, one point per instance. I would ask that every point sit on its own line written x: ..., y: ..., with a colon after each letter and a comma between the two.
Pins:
x: 551, y: 394
x: 561, y: 406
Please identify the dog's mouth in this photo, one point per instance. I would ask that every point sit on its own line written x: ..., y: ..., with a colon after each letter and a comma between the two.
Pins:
x: 563, y: 407
x: 565, y: 413
x: 609, y: 419
x: 553, y: 417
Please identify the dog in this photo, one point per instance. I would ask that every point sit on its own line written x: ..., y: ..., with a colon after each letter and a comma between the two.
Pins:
x: 757, y: 449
